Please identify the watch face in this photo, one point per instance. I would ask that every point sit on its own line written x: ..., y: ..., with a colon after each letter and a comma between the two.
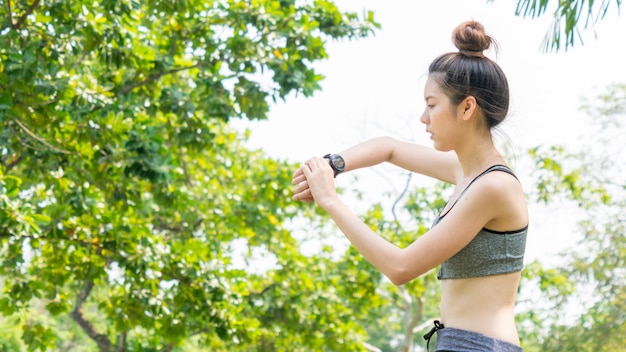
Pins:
x: 338, y: 162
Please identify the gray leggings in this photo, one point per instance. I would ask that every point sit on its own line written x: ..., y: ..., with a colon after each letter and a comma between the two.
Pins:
x: 451, y: 339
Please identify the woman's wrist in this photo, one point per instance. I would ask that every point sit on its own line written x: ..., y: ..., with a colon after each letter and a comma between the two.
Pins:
x: 336, y: 163
x: 330, y: 204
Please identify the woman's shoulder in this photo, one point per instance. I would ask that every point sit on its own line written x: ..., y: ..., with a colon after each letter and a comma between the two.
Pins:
x: 500, y: 182
x: 501, y: 194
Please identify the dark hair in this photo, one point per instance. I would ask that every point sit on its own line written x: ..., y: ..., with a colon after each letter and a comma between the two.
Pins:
x: 469, y: 73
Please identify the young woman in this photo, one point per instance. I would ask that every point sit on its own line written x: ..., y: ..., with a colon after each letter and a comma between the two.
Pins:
x: 479, y: 237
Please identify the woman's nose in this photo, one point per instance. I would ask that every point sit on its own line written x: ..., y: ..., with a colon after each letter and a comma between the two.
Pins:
x: 424, y: 118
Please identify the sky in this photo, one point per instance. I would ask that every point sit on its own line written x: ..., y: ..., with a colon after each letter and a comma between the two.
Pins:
x: 374, y: 86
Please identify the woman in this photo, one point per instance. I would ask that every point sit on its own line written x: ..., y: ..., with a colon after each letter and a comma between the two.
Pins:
x: 479, y: 237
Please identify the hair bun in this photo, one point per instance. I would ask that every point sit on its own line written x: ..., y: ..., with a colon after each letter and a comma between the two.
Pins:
x: 471, y: 39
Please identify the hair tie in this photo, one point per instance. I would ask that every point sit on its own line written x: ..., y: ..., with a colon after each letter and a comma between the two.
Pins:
x: 472, y: 53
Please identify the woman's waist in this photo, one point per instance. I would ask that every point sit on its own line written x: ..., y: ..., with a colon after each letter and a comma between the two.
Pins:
x: 480, y: 306
x: 494, y: 294
x: 476, y: 304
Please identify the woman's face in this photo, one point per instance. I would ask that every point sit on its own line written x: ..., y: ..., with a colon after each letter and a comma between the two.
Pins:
x: 439, y: 117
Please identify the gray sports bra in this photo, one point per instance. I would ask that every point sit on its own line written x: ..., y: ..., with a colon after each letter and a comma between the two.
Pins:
x: 490, y: 252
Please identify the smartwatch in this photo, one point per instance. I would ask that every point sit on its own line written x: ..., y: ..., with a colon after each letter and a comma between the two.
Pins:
x: 336, y: 163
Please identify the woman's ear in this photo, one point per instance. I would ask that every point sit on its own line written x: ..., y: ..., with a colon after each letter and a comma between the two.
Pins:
x: 468, y: 108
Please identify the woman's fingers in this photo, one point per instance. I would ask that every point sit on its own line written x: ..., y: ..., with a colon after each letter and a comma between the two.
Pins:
x: 315, y: 164
x: 304, y: 195
x: 297, y: 177
x: 314, y: 171
x: 302, y: 186
x: 301, y: 191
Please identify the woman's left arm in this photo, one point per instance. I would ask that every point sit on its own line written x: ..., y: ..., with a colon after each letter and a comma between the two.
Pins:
x: 475, y: 209
x: 374, y: 248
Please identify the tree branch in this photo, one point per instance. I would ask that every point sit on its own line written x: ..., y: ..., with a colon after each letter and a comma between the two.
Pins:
x: 407, y: 345
x: 101, y: 340
x: 262, y: 292
x: 154, y: 77
x: 177, y: 228
x: 22, y: 19
x: 422, y: 326
x: 10, y: 13
x: 7, y: 234
x: 13, y: 163
x: 168, y: 348
x: 402, y: 193
x: 371, y: 348
x: 183, y: 165
x: 121, y: 345
x: 22, y: 141
x: 39, y: 139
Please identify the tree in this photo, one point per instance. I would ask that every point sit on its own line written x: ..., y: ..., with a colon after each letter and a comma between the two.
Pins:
x: 407, y: 310
x: 591, y: 279
x: 565, y: 28
x: 124, y: 196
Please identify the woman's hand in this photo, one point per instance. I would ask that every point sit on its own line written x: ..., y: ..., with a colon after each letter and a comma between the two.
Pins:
x: 315, y: 182
x: 301, y: 191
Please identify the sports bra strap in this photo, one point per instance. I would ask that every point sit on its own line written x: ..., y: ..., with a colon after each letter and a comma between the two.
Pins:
x: 497, y: 167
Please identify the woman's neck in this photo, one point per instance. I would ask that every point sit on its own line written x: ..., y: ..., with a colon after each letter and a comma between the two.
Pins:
x: 477, y: 155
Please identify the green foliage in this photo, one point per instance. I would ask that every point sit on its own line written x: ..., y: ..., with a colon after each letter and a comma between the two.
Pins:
x: 591, y: 277
x: 608, y: 110
x: 128, y: 208
x: 402, y: 310
x: 10, y: 336
x: 567, y: 18
x: 559, y: 177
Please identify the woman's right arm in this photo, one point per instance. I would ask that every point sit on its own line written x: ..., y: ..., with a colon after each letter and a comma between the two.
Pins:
x: 443, y: 166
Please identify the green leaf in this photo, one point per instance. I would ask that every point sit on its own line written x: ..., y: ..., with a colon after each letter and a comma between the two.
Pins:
x: 11, y: 185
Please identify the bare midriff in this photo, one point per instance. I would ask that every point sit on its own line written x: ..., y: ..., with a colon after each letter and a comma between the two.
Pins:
x: 482, y: 304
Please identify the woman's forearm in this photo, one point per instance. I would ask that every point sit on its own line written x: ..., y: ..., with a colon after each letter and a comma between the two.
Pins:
x: 369, y: 153
x: 427, y: 161
x: 375, y: 249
